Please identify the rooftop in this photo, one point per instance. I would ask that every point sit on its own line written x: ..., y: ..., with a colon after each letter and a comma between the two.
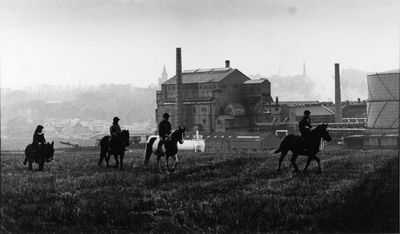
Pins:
x: 202, y: 75
x: 258, y: 81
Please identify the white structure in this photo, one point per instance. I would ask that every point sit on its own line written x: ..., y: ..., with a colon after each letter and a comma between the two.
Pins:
x: 383, y: 100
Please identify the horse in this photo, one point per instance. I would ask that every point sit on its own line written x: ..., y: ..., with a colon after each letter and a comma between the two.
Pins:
x: 297, y: 146
x: 39, y: 156
x: 169, y: 149
x: 117, y: 149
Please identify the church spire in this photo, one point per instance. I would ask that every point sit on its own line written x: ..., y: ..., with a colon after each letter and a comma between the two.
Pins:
x: 164, y: 72
x: 164, y: 76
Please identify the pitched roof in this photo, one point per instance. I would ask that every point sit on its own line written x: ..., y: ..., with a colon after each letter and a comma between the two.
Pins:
x: 202, y: 75
x: 395, y: 71
x: 258, y: 81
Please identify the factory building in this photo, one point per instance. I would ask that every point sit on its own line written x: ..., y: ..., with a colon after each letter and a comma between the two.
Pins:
x: 215, y: 99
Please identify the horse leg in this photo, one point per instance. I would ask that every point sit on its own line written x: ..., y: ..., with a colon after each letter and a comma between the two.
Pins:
x: 176, y: 162
x: 30, y: 165
x: 121, y: 159
x: 293, y: 160
x: 319, y: 164
x: 108, y: 159
x: 307, y: 164
x: 166, y: 164
x: 116, y: 160
x: 158, y: 163
x: 283, y: 155
x: 41, y: 165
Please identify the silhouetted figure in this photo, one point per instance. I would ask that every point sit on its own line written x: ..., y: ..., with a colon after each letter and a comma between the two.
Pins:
x: 164, y: 129
x: 38, y: 136
x: 115, y: 131
x: 38, y: 141
x: 305, y: 128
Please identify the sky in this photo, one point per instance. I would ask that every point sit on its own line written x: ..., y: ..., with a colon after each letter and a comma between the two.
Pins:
x: 89, y: 42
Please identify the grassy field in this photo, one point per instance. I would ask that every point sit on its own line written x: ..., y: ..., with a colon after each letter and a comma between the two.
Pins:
x: 357, y: 191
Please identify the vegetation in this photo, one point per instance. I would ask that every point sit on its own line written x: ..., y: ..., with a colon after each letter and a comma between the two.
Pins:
x: 356, y: 192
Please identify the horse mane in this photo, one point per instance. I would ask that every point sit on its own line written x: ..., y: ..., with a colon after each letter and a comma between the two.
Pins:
x: 317, y: 128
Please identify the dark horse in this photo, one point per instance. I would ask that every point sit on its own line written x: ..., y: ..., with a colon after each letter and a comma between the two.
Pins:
x: 297, y: 146
x: 117, y: 149
x: 39, y: 155
x: 169, y: 149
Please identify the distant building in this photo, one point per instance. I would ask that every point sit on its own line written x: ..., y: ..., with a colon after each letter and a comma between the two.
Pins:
x: 216, y: 99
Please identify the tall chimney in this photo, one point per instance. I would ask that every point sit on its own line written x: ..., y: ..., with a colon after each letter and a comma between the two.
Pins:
x: 179, y: 101
x: 338, y: 109
x: 276, y: 103
x: 227, y: 63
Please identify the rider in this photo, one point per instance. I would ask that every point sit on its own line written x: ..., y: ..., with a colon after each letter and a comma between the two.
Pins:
x: 38, y: 140
x: 305, y: 127
x: 115, y: 131
x: 164, y: 129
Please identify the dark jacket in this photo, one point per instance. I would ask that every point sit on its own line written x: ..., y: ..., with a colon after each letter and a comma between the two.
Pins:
x: 305, y: 125
x: 38, y: 138
x: 164, y: 128
x: 115, y: 130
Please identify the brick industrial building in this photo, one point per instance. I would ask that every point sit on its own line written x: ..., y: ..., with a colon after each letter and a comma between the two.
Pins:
x: 214, y: 99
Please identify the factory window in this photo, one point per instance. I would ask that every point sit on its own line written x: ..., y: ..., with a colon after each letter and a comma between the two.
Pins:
x: 219, y: 121
x: 224, y: 86
x: 244, y: 149
x: 204, y: 121
x: 235, y: 150
x: 203, y: 109
x: 236, y: 86
x: 194, y: 109
x: 254, y: 150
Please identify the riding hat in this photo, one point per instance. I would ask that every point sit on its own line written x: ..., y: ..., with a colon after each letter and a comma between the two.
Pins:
x: 115, y: 119
x: 39, y: 127
x: 165, y: 115
x: 307, y: 112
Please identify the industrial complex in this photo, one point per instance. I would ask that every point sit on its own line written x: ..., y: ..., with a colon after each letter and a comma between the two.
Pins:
x: 226, y: 105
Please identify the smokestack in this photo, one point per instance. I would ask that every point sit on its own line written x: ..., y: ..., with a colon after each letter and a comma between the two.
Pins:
x: 227, y: 64
x: 276, y: 103
x: 338, y: 109
x: 179, y: 101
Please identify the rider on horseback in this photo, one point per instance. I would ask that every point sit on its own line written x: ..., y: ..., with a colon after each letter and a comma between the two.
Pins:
x: 115, y: 131
x: 164, y: 129
x: 38, y: 141
x: 305, y: 128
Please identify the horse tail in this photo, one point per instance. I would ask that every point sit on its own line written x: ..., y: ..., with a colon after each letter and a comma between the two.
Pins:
x: 103, y: 148
x: 149, y: 149
x: 283, y: 146
x: 27, y: 153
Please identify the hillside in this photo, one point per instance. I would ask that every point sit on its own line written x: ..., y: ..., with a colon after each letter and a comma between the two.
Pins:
x: 356, y: 192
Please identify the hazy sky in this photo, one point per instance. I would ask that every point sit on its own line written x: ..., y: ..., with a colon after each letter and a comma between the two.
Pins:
x: 129, y: 41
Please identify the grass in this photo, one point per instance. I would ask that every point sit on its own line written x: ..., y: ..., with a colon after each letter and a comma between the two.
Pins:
x: 356, y: 192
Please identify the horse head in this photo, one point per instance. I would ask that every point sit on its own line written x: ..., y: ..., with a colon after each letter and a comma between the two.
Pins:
x: 179, y: 135
x: 324, y: 132
x: 49, y: 151
x: 125, y: 137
